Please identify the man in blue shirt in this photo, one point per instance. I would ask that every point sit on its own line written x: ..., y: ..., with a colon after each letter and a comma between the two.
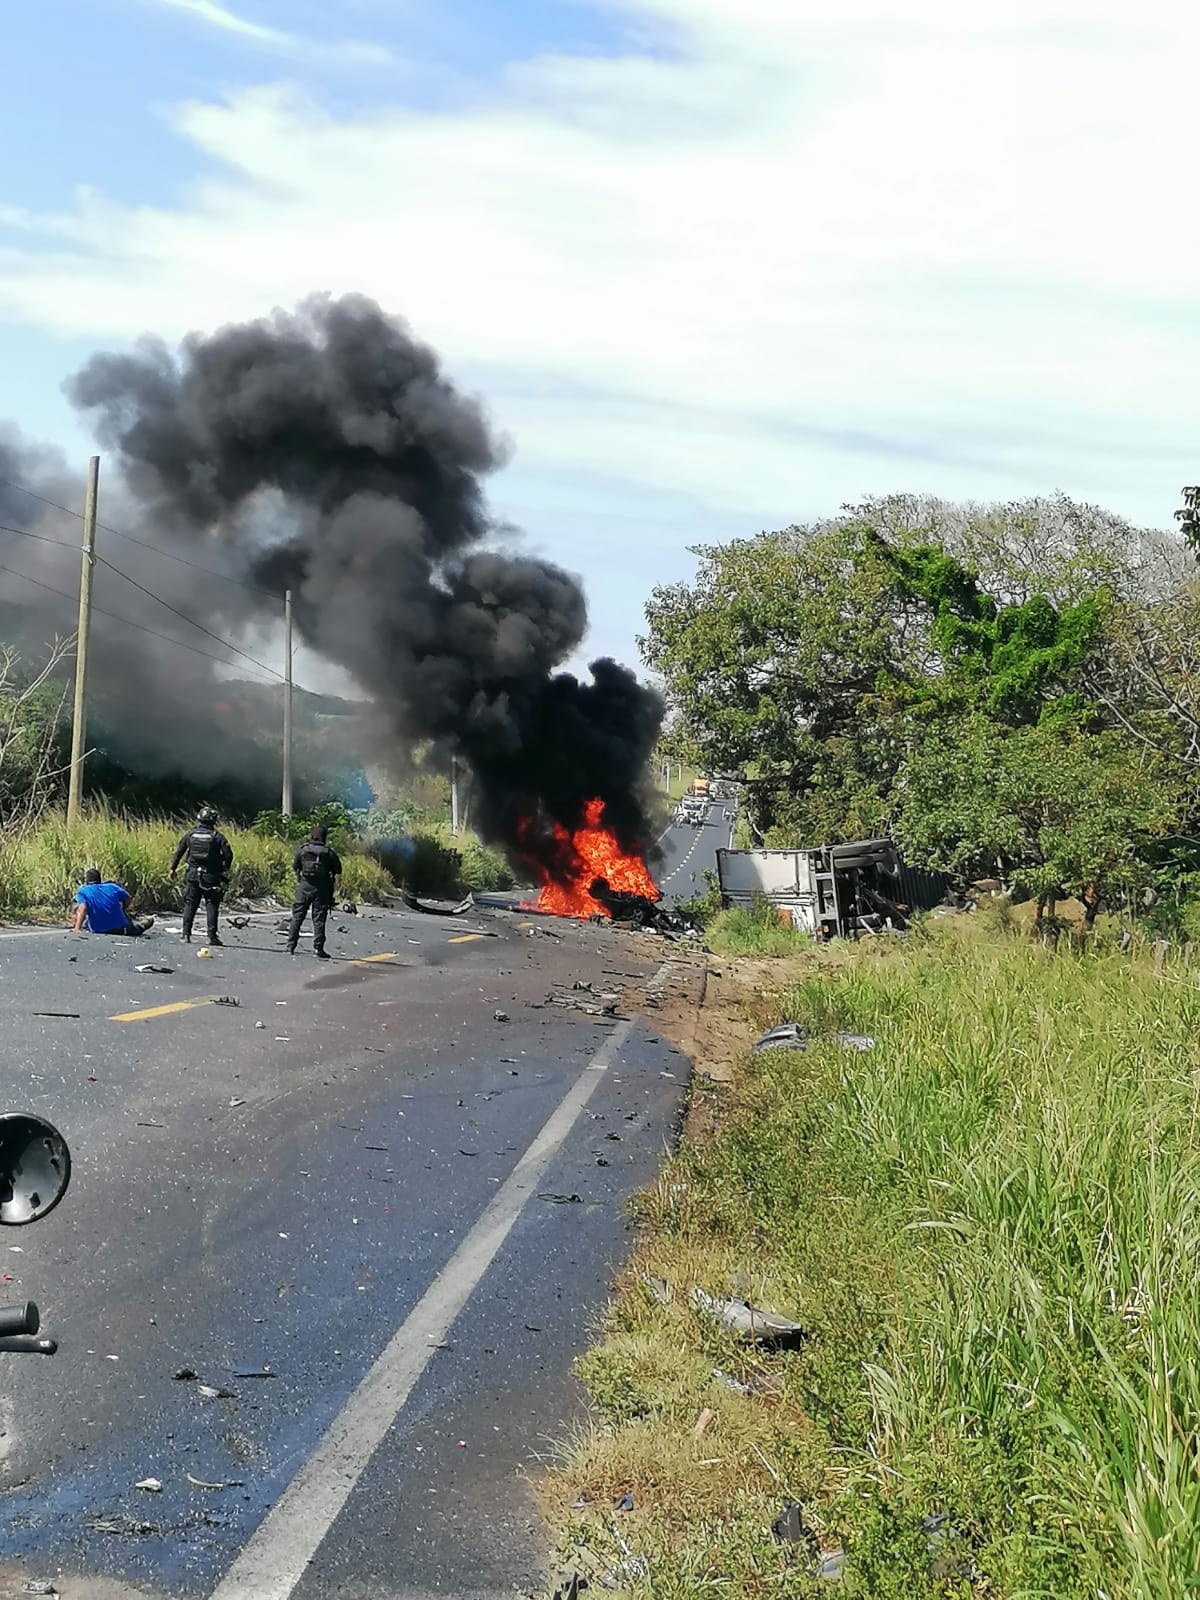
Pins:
x: 103, y: 908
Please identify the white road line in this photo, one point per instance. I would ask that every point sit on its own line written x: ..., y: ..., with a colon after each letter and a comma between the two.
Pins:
x: 276, y: 1556
x: 699, y: 834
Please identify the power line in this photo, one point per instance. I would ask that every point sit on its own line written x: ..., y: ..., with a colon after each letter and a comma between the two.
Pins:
x: 157, y: 549
x: 40, y: 537
x: 26, y: 533
x: 125, y: 621
x: 191, y: 621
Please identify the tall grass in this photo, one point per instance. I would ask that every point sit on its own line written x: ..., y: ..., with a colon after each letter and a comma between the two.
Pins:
x: 991, y: 1225
x: 41, y: 869
x: 754, y: 930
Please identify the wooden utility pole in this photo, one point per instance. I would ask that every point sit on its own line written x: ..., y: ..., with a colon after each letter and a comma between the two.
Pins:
x: 79, y: 716
x: 286, y: 807
x: 453, y: 794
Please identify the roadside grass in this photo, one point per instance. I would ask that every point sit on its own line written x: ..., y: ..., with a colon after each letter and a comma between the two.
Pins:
x: 753, y: 931
x: 989, y: 1226
x: 41, y: 869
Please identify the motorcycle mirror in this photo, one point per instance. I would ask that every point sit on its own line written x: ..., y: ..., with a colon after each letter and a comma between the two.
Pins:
x: 35, y: 1168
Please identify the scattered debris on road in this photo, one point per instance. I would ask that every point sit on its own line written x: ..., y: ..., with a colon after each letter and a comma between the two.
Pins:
x: 436, y: 909
x: 501, y: 1016
x: 200, y: 1483
x: 149, y: 966
x: 125, y: 1527
x: 149, y: 1485
x: 38, y: 1586
x: 562, y: 1199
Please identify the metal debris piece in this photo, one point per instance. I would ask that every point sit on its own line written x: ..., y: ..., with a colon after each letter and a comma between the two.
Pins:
x: 764, y: 1327
x: 630, y: 1567
x: 235, y: 1102
x: 350, y: 908
x: 436, y: 910
x: 731, y: 1382
x: 625, y: 1502
x: 795, y: 1036
x: 239, y: 922
x: 199, y: 1483
x: 211, y: 1393
x: 38, y: 1586
x: 74, y: 1014
x: 562, y: 1199
x: 185, y: 1375
x: 789, y: 1527
x: 148, y: 966
x: 226, y: 1000
x: 501, y: 1016
x: 832, y: 1567
x: 251, y: 1372
x: 125, y: 1527
x: 150, y: 1485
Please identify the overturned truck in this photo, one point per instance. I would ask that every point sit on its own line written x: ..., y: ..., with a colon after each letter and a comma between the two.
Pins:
x: 838, y: 891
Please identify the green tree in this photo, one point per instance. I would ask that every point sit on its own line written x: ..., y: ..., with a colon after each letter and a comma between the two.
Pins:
x: 1049, y: 809
x: 810, y: 662
x: 773, y: 660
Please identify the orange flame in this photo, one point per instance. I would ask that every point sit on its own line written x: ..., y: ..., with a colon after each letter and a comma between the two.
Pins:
x: 596, y: 854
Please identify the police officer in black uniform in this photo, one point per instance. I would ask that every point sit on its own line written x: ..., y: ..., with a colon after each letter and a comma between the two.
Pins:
x: 209, y: 858
x: 318, y: 868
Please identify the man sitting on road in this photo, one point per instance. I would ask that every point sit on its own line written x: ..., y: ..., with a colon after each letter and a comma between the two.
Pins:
x: 318, y: 868
x: 103, y: 908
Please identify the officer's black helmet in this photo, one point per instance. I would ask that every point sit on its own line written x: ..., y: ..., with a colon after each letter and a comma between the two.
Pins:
x: 207, y: 814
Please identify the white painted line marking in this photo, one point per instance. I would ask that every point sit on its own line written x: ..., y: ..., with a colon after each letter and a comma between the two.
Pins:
x: 276, y: 1556
x: 698, y: 835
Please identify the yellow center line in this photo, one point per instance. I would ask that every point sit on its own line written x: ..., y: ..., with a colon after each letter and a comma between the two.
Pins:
x: 365, y: 961
x: 523, y: 924
x: 164, y: 1011
x: 465, y: 938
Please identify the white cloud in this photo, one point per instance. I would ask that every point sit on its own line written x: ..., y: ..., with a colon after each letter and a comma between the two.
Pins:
x: 807, y: 251
x: 214, y: 15
x: 221, y: 17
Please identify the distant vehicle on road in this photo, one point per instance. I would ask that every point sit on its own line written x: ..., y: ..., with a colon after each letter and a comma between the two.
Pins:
x: 694, y: 811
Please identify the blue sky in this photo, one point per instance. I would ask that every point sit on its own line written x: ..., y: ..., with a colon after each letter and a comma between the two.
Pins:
x: 714, y: 264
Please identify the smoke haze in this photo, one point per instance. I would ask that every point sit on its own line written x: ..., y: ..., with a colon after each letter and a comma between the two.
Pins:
x: 325, y: 451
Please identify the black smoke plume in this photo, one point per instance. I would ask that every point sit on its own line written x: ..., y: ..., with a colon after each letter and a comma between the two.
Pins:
x: 325, y: 451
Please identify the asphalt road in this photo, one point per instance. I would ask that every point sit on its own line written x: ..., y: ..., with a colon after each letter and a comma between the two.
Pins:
x: 690, y: 853
x: 377, y: 1220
